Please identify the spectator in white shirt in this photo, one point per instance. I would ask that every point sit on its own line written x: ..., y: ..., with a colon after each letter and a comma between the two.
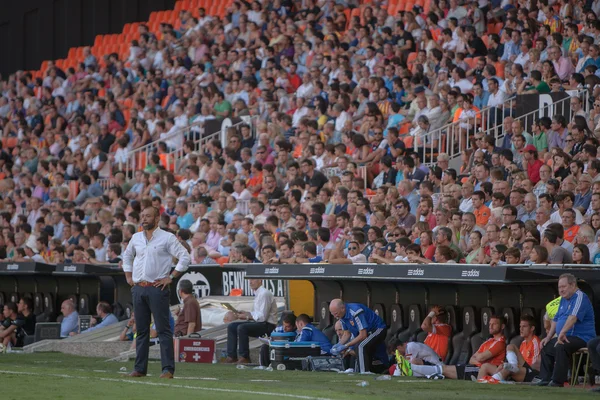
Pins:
x: 523, y: 57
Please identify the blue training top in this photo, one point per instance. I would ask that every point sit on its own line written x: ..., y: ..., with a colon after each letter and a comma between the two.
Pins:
x: 310, y: 333
x: 358, y: 317
x: 580, y: 306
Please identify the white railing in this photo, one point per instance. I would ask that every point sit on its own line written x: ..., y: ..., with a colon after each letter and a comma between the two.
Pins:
x: 138, y: 158
x: 176, y: 157
x: 452, y: 140
x: 105, y: 183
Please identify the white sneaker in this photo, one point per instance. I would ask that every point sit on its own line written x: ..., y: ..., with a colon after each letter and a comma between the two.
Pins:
x: 511, y: 367
x: 435, y: 376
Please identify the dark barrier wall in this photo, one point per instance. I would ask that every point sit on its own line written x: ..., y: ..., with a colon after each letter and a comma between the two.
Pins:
x: 32, y: 31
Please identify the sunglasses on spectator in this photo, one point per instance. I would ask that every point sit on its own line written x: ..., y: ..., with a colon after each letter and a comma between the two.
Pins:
x: 352, y: 248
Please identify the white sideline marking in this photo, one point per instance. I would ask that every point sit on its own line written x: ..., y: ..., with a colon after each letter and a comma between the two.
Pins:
x: 195, y: 378
x: 264, y: 380
x: 399, y: 381
x: 139, y: 382
x: 47, y: 362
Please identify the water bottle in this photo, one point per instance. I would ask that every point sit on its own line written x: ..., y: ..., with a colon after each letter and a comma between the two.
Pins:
x: 363, y: 384
x: 383, y: 378
x: 223, y: 355
x: 240, y: 366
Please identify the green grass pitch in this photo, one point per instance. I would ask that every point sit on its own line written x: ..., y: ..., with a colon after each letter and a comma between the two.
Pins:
x: 59, y: 376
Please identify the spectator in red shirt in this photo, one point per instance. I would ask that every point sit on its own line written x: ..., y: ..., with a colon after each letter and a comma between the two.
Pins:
x: 532, y: 163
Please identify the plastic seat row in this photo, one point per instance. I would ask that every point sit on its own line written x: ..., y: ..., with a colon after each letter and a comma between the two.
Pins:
x: 469, y: 326
x: 47, y: 309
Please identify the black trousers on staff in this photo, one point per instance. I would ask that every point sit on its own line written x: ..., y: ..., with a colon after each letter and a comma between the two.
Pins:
x: 556, y: 359
x: 594, y: 352
x: 366, y: 348
x: 148, y: 301
x: 239, y: 333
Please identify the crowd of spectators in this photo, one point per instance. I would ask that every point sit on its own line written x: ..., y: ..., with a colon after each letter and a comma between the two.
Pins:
x: 327, y: 172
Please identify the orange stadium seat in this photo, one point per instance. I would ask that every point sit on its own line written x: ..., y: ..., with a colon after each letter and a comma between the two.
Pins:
x: 499, y: 69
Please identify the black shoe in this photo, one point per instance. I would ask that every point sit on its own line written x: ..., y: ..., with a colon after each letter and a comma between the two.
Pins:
x: 542, y: 383
x: 555, y: 384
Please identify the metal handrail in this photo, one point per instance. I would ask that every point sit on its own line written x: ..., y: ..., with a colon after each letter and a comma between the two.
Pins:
x: 489, y: 120
x: 176, y: 156
x: 140, y: 155
x: 134, y: 157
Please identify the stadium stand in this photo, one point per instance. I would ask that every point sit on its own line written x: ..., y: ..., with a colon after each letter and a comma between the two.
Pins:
x: 315, y: 131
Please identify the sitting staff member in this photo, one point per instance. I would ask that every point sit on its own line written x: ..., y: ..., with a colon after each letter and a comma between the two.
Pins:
x: 147, y: 264
x: 261, y: 321
x: 368, y: 329
x: 307, y: 332
x: 288, y: 325
x: 574, y: 326
x: 189, y: 317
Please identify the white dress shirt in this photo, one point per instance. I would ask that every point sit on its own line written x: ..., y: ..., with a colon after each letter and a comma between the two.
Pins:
x: 265, y: 306
x: 151, y: 260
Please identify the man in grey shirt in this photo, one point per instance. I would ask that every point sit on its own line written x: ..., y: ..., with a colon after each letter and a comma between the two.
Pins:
x: 556, y: 254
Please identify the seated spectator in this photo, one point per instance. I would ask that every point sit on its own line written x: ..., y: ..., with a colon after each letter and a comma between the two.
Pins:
x: 128, y: 333
x: 104, y: 312
x: 189, y: 317
x: 70, y: 322
x: 8, y: 330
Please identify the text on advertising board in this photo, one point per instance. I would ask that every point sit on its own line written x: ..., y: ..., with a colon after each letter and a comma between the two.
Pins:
x: 237, y: 280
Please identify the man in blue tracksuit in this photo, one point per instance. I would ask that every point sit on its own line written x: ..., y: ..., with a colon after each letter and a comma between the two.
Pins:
x: 367, y: 328
x: 307, y: 332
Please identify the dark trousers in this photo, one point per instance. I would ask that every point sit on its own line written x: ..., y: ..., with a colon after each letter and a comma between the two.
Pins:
x: 238, y: 334
x: 556, y: 359
x: 148, y: 301
x: 366, y: 348
x: 594, y: 352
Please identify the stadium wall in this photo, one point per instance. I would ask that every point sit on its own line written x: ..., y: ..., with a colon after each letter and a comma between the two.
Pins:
x: 32, y: 31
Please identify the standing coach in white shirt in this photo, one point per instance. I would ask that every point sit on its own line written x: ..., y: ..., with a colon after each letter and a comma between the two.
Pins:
x: 147, y: 264
x: 261, y: 321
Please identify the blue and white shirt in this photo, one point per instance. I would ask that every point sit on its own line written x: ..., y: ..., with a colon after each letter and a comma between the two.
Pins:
x: 358, y: 317
x: 580, y: 306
